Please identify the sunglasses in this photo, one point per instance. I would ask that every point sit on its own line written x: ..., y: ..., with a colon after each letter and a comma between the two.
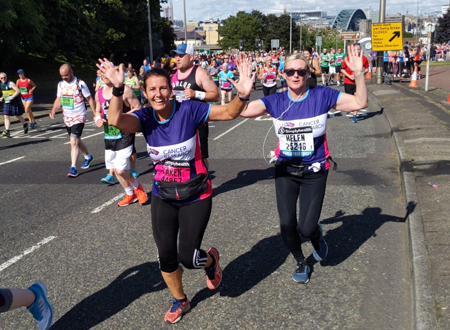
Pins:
x: 291, y: 72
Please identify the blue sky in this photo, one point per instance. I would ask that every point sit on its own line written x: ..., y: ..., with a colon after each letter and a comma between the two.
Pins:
x: 204, y: 10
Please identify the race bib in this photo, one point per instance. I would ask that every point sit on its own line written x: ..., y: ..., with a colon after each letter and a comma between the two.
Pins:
x: 296, y: 141
x: 7, y: 94
x: 23, y: 90
x: 215, y: 78
x: 270, y: 78
x: 67, y: 102
x: 226, y: 84
x: 179, y: 95
x: 111, y: 133
x: 173, y: 171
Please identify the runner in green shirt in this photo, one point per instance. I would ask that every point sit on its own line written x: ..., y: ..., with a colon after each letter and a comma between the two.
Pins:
x: 325, y: 60
x: 339, y: 58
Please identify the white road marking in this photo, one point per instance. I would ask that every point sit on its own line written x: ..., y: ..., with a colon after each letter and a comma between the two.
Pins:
x: 57, y: 136
x: 267, y: 117
x: 12, y: 160
x: 101, y: 207
x: 87, y: 137
x: 24, y: 253
x: 232, y: 128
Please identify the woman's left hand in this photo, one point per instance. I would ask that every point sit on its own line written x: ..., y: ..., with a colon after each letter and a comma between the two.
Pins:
x: 245, y: 84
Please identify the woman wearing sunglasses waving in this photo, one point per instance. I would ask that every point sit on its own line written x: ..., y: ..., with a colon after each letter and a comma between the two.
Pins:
x: 300, y: 118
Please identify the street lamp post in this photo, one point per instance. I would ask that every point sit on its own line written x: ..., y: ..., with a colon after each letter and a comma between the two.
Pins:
x: 185, y: 22
x: 150, y: 42
x: 380, y: 53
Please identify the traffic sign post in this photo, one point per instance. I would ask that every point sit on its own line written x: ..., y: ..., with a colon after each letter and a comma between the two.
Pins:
x: 387, y: 36
x: 274, y: 43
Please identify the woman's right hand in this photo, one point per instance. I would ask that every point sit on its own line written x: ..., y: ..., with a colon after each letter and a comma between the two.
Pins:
x: 107, y: 69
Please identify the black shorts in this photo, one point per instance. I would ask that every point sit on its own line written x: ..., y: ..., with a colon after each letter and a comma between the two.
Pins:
x: 75, y: 130
x: 350, y: 89
x: 338, y: 69
x: 325, y: 69
x: 203, y: 133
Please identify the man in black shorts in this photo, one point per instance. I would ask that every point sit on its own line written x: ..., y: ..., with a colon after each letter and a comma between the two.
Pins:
x: 72, y: 92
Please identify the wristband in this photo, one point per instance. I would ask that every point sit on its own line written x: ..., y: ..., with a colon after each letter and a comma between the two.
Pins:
x: 244, y: 99
x: 11, y: 98
x: 118, y: 92
x: 200, y: 95
x: 97, y: 118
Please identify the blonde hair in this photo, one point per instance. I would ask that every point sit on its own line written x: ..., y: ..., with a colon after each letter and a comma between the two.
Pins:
x: 297, y: 57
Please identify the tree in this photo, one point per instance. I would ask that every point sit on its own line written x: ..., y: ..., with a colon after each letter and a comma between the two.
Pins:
x: 443, y: 28
x: 244, y: 27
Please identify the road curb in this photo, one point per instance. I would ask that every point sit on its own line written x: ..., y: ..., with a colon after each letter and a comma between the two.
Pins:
x: 424, y: 315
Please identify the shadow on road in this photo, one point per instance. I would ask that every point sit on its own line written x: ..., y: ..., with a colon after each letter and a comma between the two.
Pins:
x: 249, y: 269
x: 128, y: 287
x: 21, y: 144
x: 354, y: 231
x: 245, y: 178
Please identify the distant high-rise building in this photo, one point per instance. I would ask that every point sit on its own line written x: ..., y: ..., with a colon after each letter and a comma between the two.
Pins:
x: 167, y: 11
x: 373, y: 15
x: 445, y: 9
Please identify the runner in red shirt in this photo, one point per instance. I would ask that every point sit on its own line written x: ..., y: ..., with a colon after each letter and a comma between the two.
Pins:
x: 349, y: 79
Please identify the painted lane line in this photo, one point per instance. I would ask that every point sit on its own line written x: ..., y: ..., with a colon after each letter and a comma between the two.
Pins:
x: 87, y: 137
x: 57, y: 136
x: 232, y: 128
x: 101, y: 207
x: 12, y: 160
x: 47, y: 132
x: 24, y: 253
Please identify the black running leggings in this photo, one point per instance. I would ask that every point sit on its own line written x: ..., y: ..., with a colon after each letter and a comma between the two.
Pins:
x: 5, y: 300
x: 309, y: 191
x: 269, y: 90
x: 190, y: 220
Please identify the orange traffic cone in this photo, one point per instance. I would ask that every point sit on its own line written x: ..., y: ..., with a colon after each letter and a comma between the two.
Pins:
x: 369, y: 75
x: 448, y: 100
x: 413, y: 83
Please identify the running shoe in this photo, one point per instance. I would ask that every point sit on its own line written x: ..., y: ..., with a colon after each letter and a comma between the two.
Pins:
x: 134, y: 173
x: 25, y: 128
x: 354, y: 119
x: 87, y: 162
x: 108, y: 179
x: 41, y: 309
x: 33, y: 124
x: 213, y: 273
x: 301, y: 274
x: 141, y: 194
x: 72, y: 172
x: 127, y: 200
x: 320, y: 254
x: 6, y: 134
x: 178, y: 309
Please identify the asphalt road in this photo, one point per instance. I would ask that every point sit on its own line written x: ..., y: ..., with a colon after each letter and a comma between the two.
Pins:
x: 99, y: 261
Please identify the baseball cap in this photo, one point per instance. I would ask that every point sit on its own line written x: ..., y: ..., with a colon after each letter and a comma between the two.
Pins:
x: 20, y: 71
x: 183, y: 49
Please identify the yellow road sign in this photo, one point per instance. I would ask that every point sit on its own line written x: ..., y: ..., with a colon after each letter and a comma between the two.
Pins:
x: 387, y: 36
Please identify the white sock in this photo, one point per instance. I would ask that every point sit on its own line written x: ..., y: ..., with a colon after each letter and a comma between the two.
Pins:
x: 135, y: 184
x: 129, y: 191
x: 87, y: 157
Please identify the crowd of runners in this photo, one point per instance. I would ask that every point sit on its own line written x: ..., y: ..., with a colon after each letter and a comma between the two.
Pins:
x: 170, y: 103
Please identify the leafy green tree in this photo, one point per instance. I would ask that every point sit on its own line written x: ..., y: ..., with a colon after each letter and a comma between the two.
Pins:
x: 21, y: 26
x: 244, y: 27
x: 443, y: 28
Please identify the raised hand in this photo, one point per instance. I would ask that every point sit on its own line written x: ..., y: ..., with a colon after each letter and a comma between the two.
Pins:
x: 107, y: 69
x: 355, y: 59
x: 245, y: 84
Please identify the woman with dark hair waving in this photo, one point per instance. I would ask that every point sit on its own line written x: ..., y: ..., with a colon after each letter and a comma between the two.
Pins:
x: 182, y: 192
x: 299, y: 117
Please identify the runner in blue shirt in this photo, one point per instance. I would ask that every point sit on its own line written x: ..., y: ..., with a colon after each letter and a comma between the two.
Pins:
x: 300, y: 117
x: 182, y: 192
